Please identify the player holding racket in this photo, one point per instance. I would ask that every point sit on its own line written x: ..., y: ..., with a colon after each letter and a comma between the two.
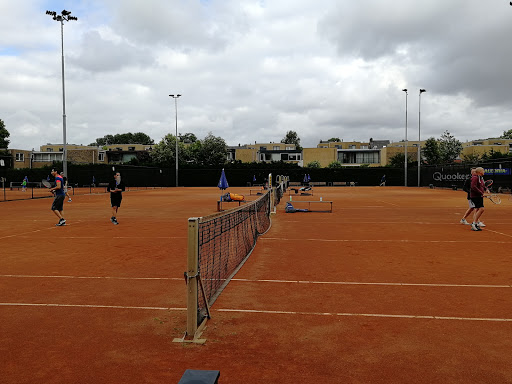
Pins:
x: 58, y: 201
x: 476, y: 193
x: 467, y: 188
x: 116, y: 188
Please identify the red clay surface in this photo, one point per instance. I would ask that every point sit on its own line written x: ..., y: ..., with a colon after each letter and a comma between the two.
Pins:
x: 389, y: 288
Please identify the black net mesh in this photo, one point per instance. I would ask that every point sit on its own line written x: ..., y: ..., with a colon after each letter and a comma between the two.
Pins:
x: 225, y: 242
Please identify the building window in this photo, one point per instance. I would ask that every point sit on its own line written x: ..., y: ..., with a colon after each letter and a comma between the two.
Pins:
x: 131, y: 148
x: 263, y: 148
x: 20, y: 157
x: 49, y: 149
x: 61, y: 149
x: 358, y: 157
x: 288, y: 148
x: 101, y: 156
x: 366, y: 147
x: 284, y: 156
x: 277, y: 148
x: 351, y: 147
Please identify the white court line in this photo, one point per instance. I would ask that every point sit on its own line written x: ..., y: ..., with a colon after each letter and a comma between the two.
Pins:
x: 268, y: 281
x: 383, y: 283
x: 384, y: 240
x: 86, y: 306
x: 382, y: 315
x: 25, y: 234
x: 499, y: 233
x: 386, y: 202
x: 94, y: 277
x: 367, y: 315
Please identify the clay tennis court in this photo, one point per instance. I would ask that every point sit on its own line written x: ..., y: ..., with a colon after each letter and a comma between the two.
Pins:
x: 389, y: 288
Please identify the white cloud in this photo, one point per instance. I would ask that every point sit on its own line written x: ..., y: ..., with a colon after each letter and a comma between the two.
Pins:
x: 252, y: 70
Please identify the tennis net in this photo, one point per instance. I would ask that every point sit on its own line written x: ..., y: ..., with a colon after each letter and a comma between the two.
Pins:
x: 219, y: 244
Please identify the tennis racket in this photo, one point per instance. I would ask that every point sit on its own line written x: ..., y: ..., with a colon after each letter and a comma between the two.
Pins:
x: 47, y: 184
x: 494, y: 198
x: 488, y: 183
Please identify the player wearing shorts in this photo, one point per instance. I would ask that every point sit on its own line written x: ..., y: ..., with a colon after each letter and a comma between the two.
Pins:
x: 477, y: 197
x: 116, y: 188
x: 58, y: 200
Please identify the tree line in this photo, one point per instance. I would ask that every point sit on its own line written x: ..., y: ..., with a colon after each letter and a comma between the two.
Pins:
x: 212, y: 150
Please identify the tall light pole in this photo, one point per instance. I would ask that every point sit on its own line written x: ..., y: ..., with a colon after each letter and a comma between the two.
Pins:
x: 64, y: 16
x: 405, y: 162
x: 419, y: 134
x: 175, y: 97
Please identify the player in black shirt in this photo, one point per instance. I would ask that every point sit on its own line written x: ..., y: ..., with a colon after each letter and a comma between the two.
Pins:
x: 116, y: 189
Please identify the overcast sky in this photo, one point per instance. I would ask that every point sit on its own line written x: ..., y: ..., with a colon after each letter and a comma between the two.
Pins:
x: 252, y: 70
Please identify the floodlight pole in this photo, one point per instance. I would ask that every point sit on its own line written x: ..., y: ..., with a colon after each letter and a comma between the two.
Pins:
x: 405, y: 162
x: 175, y: 97
x: 419, y: 134
x: 64, y: 16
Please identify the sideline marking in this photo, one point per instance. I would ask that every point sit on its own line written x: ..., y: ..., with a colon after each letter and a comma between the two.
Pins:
x: 38, y: 230
x: 269, y: 281
x: 385, y: 240
x: 86, y: 306
x: 262, y: 311
x: 499, y: 233
x: 94, y: 277
x: 383, y: 284
x: 367, y: 315
x: 387, y: 202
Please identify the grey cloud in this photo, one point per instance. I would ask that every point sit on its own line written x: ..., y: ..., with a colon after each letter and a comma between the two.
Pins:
x: 100, y: 55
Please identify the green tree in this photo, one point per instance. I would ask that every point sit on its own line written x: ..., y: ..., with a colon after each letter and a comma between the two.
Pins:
x: 188, y: 138
x: 164, y: 152
x: 4, y: 134
x: 292, y: 138
x: 493, y: 155
x: 506, y: 134
x: 335, y: 164
x: 398, y: 160
x: 141, y: 138
x: 449, y: 148
x: 314, y: 164
x: 471, y: 158
x: 431, y: 151
x: 334, y: 140
x: 124, y: 138
x: 213, y: 151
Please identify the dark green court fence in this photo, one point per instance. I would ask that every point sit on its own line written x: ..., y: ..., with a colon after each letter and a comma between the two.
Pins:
x: 95, y: 177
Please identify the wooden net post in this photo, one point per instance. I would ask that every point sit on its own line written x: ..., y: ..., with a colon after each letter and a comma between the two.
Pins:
x: 192, y: 272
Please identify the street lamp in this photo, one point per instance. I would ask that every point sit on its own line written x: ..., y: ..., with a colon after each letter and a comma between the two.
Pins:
x: 405, y: 162
x: 419, y: 134
x: 175, y: 97
x: 64, y: 16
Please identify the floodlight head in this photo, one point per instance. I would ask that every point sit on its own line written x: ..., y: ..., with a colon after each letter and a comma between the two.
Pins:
x: 422, y: 90
x: 405, y: 89
x: 72, y: 18
x: 65, y: 13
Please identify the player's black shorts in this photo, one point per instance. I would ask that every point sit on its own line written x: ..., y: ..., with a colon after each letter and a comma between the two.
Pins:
x: 58, y: 203
x: 115, y: 201
x: 478, y: 201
